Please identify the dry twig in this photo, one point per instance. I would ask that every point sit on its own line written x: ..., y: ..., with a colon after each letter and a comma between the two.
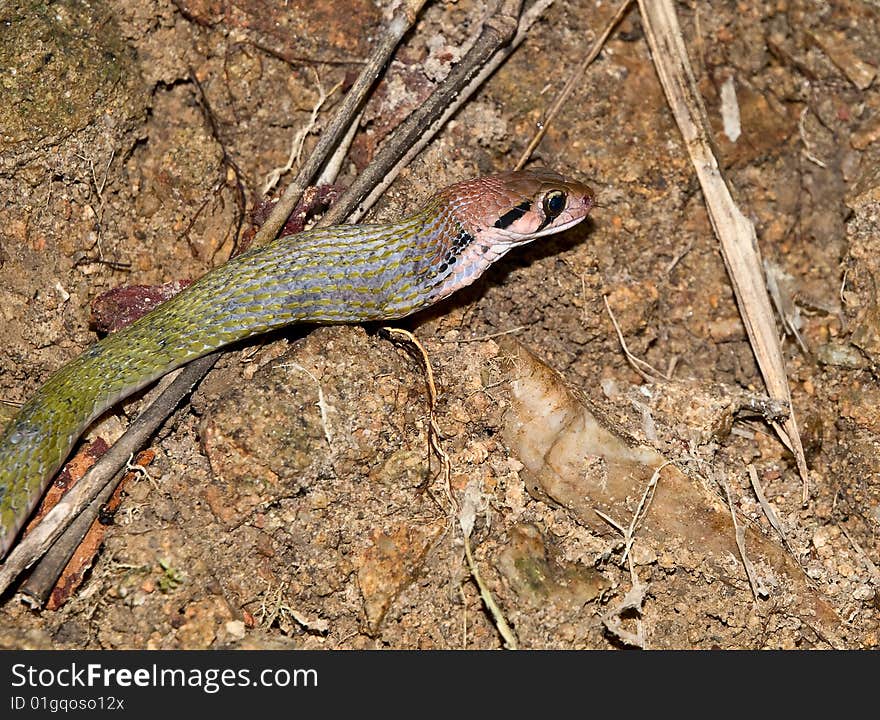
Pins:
x: 435, y: 437
x: 466, y: 519
x: 526, y: 20
x: 497, y: 31
x: 769, y: 513
x: 757, y: 587
x: 635, y: 598
x: 336, y: 130
x: 648, y: 372
x: 739, y: 245
x: 563, y: 94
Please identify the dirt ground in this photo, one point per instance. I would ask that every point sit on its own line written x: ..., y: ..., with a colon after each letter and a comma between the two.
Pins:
x: 266, y: 525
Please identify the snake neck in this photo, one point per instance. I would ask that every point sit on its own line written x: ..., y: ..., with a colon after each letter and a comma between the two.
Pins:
x: 445, y: 255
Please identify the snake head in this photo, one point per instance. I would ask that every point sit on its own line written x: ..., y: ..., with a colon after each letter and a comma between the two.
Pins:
x: 472, y: 224
x: 516, y: 207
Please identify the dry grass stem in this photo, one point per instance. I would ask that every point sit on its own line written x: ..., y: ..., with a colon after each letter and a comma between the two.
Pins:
x: 757, y: 587
x: 648, y: 372
x: 435, y: 437
x: 769, y: 512
x: 739, y: 245
x: 563, y: 94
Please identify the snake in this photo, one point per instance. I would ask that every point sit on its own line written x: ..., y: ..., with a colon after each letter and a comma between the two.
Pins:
x: 325, y: 275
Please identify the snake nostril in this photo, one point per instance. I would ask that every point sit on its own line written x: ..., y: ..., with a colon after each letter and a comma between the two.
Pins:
x: 589, y: 199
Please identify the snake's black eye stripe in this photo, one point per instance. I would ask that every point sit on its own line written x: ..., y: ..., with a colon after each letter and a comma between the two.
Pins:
x: 554, y: 203
x: 511, y: 216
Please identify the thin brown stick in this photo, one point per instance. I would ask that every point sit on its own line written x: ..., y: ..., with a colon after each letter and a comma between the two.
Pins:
x: 497, y: 30
x: 391, y: 36
x: 36, y: 543
x: 648, y: 372
x: 62, y: 569
x: 435, y: 437
x: 757, y: 587
x: 490, y: 336
x: 769, y: 513
x: 560, y: 99
x: 642, y: 509
x: 736, y: 233
x: 635, y: 597
x: 504, y: 629
x: 297, y: 60
x: 528, y: 18
x: 98, y: 480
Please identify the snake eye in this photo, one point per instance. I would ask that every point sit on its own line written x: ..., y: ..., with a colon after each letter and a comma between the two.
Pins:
x: 554, y: 203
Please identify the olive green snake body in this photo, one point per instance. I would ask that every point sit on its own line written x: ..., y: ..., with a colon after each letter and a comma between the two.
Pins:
x: 340, y: 274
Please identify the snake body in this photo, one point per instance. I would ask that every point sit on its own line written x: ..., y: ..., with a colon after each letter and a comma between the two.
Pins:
x: 340, y: 274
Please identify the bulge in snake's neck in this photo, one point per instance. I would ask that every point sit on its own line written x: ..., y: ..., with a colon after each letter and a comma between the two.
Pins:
x: 447, y: 256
